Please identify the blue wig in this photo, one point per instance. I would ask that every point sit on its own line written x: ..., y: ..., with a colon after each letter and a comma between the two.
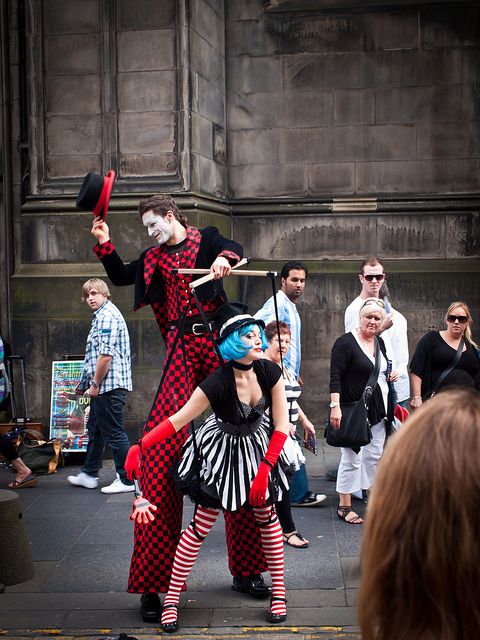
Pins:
x: 233, y: 348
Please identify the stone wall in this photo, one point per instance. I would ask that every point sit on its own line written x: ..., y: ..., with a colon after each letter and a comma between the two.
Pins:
x: 431, y: 260
x: 208, y: 110
x: 353, y: 103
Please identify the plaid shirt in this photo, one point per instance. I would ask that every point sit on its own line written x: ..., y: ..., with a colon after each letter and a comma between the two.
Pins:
x: 108, y: 337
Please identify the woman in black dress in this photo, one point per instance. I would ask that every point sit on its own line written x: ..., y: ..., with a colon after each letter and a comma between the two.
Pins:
x: 232, y: 458
x: 436, y: 351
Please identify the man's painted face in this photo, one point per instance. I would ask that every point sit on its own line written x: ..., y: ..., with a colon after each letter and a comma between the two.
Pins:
x: 160, y: 228
x: 294, y: 284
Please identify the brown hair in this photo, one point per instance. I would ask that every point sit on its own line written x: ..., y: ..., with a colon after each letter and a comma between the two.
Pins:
x: 419, y: 557
x: 370, y: 262
x: 271, y: 329
x: 467, y: 332
x: 95, y: 283
x: 160, y: 204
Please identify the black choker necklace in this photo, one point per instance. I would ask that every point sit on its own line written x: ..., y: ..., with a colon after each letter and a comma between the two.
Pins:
x: 242, y: 367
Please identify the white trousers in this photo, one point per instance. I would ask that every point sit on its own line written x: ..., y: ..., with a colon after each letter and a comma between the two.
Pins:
x: 357, y: 471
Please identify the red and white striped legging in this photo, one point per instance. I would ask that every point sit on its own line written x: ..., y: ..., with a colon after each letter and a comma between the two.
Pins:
x: 192, y: 538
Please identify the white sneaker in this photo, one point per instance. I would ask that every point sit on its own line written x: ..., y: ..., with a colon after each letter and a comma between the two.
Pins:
x: 83, y: 480
x: 117, y: 486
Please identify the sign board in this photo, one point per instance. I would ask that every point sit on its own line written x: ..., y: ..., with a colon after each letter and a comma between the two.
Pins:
x: 68, y: 412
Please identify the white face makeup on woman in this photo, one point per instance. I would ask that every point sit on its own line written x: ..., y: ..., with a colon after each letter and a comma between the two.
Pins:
x: 254, y: 340
x: 159, y: 227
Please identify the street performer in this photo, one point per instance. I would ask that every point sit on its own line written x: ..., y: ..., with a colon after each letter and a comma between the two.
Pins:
x: 178, y: 245
x: 235, y: 457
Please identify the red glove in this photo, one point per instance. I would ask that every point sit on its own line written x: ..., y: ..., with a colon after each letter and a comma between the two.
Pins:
x: 132, y: 462
x: 258, y: 490
x: 164, y: 431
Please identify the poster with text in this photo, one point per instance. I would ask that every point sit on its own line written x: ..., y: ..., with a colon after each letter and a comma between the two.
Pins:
x: 68, y: 412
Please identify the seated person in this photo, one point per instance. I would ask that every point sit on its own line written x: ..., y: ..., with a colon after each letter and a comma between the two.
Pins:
x: 24, y: 477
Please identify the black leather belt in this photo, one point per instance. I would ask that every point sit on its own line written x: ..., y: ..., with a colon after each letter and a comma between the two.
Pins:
x: 192, y: 326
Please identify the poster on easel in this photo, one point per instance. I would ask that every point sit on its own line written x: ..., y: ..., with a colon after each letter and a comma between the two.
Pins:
x: 68, y: 412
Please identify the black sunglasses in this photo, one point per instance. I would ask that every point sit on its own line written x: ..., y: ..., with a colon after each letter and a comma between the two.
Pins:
x: 374, y: 276
x: 461, y: 319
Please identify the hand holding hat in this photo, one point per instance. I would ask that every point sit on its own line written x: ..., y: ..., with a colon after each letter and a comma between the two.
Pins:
x: 95, y: 192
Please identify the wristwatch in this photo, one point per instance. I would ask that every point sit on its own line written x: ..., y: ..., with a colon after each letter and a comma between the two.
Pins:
x: 94, y: 384
x: 332, y: 405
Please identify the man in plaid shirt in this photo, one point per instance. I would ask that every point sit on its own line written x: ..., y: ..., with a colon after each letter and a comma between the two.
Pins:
x: 106, y: 379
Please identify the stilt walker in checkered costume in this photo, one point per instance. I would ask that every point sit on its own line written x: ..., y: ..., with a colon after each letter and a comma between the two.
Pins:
x: 178, y: 245
x: 235, y: 457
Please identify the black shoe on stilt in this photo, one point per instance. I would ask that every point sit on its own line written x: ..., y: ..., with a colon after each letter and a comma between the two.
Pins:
x: 275, y: 618
x: 170, y: 627
x: 150, y: 607
x: 253, y: 585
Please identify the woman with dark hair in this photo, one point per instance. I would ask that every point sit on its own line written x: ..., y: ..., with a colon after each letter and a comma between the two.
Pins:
x: 436, y: 353
x: 420, y: 570
x: 231, y: 459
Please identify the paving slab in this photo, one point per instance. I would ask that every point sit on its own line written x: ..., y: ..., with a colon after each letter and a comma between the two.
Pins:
x: 82, y: 542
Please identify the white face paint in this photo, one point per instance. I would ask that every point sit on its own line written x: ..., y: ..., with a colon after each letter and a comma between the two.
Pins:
x: 158, y: 227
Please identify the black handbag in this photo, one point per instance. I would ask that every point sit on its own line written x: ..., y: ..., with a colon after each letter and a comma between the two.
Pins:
x: 40, y: 456
x: 355, y: 428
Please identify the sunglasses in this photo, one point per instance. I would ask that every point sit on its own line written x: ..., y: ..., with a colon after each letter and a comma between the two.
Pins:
x: 461, y: 319
x: 376, y: 301
x: 374, y: 276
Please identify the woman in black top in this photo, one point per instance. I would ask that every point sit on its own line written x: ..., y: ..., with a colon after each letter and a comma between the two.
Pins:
x: 435, y: 353
x: 232, y: 458
x: 352, y: 362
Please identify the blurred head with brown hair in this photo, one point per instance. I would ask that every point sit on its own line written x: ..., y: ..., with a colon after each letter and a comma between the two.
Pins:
x: 420, y: 552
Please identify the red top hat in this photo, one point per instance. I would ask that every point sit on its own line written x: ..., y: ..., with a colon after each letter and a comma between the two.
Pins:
x: 95, y: 193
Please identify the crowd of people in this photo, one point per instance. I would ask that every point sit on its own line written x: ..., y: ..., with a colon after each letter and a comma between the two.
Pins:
x: 246, y: 458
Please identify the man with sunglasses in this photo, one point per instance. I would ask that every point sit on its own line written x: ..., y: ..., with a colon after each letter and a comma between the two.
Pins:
x: 393, y: 328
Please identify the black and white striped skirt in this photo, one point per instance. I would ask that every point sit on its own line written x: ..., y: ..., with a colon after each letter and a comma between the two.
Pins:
x: 219, y: 470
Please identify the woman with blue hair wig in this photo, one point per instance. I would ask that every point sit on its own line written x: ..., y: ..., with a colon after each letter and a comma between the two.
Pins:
x: 234, y: 348
x: 235, y: 457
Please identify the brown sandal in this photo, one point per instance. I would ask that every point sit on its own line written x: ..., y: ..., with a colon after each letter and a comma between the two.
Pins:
x: 343, y: 512
x: 303, y: 543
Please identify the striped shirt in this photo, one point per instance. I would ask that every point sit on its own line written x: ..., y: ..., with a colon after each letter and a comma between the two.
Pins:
x: 108, y: 337
x: 287, y: 312
x: 292, y: 391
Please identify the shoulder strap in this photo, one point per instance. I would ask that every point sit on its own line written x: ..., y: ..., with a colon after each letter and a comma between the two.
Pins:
x: 373, y: 379
x: 450, y: 367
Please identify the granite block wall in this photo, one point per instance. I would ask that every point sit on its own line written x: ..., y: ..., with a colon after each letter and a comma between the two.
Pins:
x: 346, y: 102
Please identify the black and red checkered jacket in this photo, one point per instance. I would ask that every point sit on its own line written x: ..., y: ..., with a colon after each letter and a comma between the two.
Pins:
x: 149, y: 290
